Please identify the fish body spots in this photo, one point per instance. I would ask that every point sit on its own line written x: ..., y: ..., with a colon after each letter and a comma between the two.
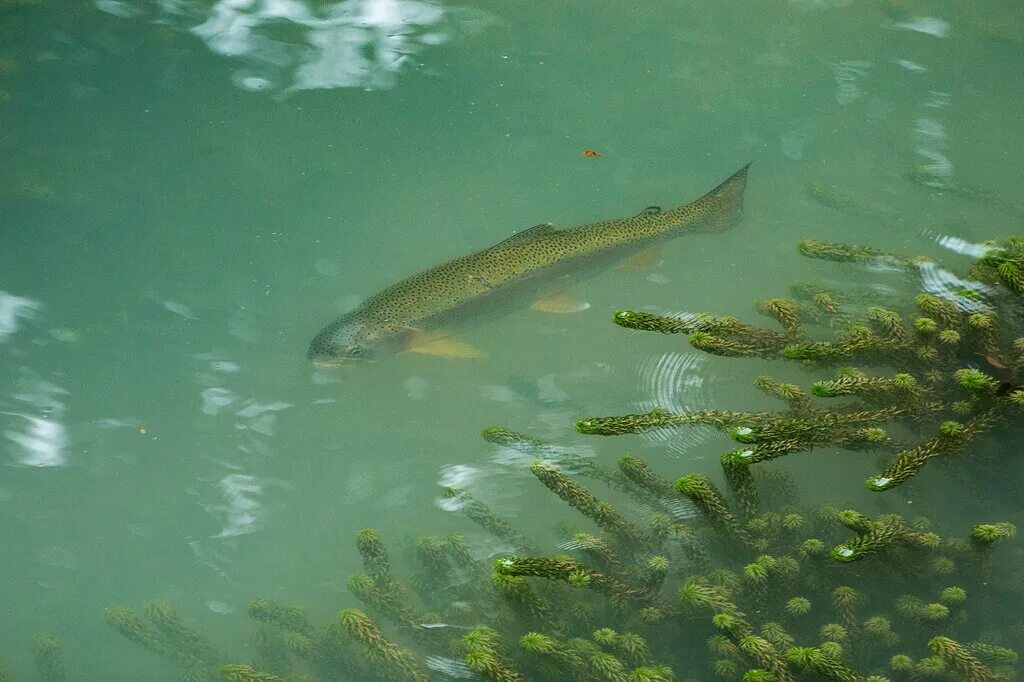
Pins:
x: 383, y: 321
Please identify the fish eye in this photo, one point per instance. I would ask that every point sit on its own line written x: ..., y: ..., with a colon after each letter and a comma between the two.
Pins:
x: 355, y: 351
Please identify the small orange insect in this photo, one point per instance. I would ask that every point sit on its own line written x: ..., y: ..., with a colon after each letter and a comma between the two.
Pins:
x: 590, y: 154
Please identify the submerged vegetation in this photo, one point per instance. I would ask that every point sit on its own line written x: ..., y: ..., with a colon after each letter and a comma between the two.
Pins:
x: 736, y: 579
x: 956, y: 368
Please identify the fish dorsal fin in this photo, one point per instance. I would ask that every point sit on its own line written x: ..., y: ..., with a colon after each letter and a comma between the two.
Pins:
x: 649, y: 211
x: 527, y: 235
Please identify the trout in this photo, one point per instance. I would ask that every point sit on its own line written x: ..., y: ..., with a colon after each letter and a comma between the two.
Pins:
x: 408, y: 315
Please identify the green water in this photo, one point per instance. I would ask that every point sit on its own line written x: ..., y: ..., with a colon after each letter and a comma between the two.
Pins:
x: 190, y: 190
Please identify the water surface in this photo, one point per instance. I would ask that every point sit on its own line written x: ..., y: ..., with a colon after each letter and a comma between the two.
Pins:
x: 190, y: 190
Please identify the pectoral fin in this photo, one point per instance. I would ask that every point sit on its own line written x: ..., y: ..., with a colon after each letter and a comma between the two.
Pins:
x: 560, y: 303
x: 642, y: 261
x: 439, y: 345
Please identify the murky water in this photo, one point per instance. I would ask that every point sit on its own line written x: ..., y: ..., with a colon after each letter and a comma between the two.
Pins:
x: 189, y: 190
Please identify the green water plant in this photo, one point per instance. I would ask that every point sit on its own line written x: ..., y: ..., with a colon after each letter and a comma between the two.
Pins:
x: 167, y: 635
x: 884, y: 337
x: 485, y: 655
x: 960, y: 660
x: 48, y: 659
x: 379, y: 648
x: 601, y: 513
x: 240, y: 672
x: 678, y: 574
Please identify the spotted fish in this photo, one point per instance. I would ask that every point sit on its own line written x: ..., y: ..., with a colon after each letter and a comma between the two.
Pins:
x: 408, y: 315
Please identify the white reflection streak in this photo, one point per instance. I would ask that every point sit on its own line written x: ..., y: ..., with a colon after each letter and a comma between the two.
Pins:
x: 36, y: 430
x: 930, y: 130
x: 42, y: 441
x: 215, y: 398
x: 912, y: 67
x: 847, y: 73
x: 356, y: 43
x: 259, y: 417
x: 242, y: 509
x: 459, y: 477
x: 42, y: 438
x: 13, y: 308
x: 939, y: 167
x: 944, y: 284
x: 450, y: 667
x: 179, y: 309
x: 932, y: 26
x: 962, y: 246
x: 121, y: 10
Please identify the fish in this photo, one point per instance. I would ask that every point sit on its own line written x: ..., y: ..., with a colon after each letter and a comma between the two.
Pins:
x: 413, y: 314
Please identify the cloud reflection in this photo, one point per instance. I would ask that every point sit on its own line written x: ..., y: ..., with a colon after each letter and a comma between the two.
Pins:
x: 355, y: 43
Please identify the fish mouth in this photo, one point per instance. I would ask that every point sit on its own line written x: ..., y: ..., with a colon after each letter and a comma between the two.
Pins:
x: 328, y: 362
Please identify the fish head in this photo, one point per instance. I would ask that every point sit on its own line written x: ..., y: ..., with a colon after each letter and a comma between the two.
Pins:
x: 345, y: 341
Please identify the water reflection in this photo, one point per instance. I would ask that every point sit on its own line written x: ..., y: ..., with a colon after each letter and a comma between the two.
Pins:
x: 216, y: 398
x: 35, y: 422
x: 40, y: 441
x: 912, y: 67
x: 675, y: 382
x: 12, y: 310
x: 932, y: 26
x: 820, y: 4
x: 259, y: 417
x: 962, y: 246
x: 356, y: 43
x: 119, y: 9
x: 241, y: 507
x: 944, y: 284
x: 450, y: 667
x: 931, y: 142
x: 179, y: 309
x: 800, y: 134
x: 848, y: 73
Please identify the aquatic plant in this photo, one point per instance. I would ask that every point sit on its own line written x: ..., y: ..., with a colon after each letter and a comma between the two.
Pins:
x: 379, y: 648
x: 168, y: 636
x: 482, y: 515
x: 485, y: 655
x: 882, y: 338
x: 958, y: 658
x: 661, y: 575
x: 49, y: 659
x: 239, y: 672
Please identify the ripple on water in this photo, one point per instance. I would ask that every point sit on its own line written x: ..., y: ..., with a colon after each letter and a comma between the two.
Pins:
x: 674, y: 381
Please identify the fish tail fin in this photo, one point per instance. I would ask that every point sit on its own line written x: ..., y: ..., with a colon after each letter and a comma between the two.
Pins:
x: 722, y: 207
